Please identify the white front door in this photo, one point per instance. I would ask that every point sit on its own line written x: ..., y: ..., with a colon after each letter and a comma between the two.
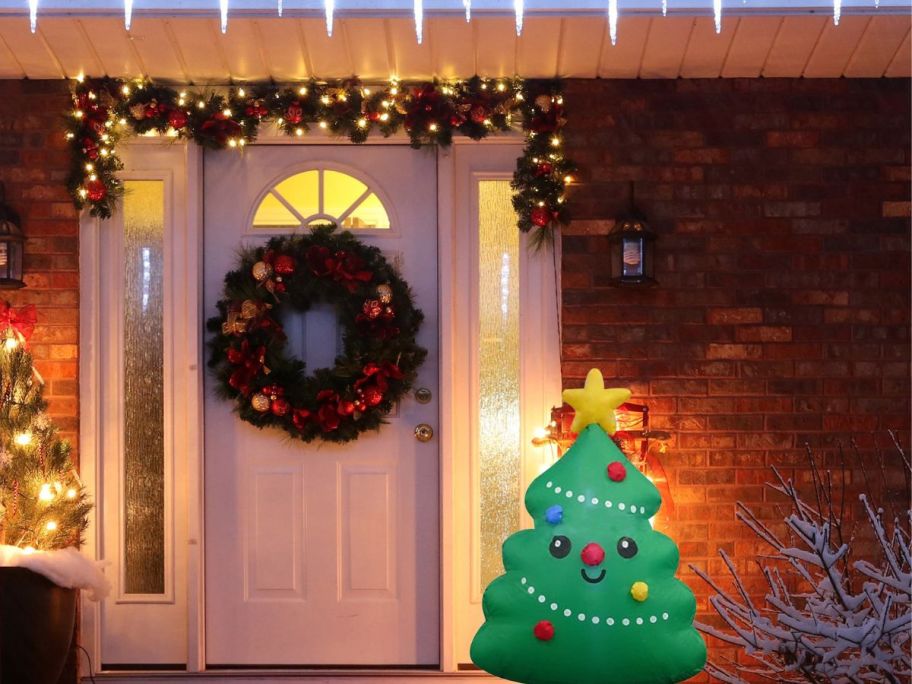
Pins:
x: 323, y: 554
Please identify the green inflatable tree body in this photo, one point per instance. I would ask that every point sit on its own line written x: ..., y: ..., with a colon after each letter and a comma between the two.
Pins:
x: 589, y: 595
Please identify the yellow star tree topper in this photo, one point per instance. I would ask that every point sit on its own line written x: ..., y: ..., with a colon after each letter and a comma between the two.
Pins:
x: 595, y: 403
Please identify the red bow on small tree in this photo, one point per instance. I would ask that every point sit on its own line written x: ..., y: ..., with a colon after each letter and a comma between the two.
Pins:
x: 21, y: 321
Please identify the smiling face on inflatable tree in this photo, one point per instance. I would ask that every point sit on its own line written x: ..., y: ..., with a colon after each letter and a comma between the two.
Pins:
x: 589, y: 596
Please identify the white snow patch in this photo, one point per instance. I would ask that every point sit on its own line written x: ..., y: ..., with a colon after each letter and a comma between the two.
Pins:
x: 65, y: 567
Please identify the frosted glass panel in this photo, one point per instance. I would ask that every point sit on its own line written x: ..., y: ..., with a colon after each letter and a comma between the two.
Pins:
x: 499, y: 446
x: 143, y: 367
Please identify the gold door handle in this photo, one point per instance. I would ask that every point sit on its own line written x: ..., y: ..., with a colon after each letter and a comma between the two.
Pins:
x: 424, y: 432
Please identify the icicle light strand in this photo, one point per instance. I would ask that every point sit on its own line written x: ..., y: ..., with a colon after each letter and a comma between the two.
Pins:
x: 128, y: 14
x: 519, y: 8
x: 223, y: 11
x: 664, y: 8
x: 329, y: 7
x: 717, y: 15
x: 613, y: 20
x: 468, y: 9
x: 419, y: 20
x: 279, y: 8
x: 33, y: 15
x: 837, y: 12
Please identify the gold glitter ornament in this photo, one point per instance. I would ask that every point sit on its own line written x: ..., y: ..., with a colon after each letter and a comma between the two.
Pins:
x: 260, y: 402
x: 384, y: 293
x: 249, y: 309
x: 261, y: 271
x: 543, y: 102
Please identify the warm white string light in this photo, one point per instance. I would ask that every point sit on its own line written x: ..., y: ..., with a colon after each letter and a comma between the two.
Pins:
x: 520, y: 9
x: 128, y: 14
x: 837, y: 11
x: 279, y: 8
x: 717, y: 15
x: 613, y: 20
x: 664, y: 8
x: 468, y: 9
x: 223, y: 10
x: 33, y: 15
x: 329, y: 6
x: 419, y: 20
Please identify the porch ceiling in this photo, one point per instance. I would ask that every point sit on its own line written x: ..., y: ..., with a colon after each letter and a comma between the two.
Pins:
x: 260, y: 46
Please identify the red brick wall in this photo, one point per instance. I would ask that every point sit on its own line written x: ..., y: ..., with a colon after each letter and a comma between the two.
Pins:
x: 33, y: 168
x: 782, y: 311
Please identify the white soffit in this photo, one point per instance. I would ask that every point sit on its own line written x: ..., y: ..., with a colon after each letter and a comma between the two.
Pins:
x: 181, y: 41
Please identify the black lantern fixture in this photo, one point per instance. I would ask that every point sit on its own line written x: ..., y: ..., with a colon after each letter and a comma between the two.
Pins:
x: 11, y: 244
x: 632, y: 248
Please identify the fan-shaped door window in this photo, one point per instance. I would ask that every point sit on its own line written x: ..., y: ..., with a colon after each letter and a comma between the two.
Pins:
x: 317, y: 196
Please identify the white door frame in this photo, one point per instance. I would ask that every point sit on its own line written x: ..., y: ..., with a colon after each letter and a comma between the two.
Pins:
x: 454, y: 255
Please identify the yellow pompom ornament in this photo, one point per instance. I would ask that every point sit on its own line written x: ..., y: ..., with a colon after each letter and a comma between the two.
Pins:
x: 639, y: 591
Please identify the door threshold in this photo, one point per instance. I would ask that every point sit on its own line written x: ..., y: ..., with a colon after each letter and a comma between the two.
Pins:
x: 311, y: 676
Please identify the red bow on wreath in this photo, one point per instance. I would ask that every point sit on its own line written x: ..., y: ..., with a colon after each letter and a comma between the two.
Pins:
x: 21, y: 322
x: 250, y: 361
x: 374, y: 384
x: 342, y: 267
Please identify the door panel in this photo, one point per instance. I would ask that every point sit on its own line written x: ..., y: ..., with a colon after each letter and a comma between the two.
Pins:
x: 324, y: 554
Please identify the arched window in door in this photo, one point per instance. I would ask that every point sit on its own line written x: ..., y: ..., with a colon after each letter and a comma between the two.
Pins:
x: 317, y: 196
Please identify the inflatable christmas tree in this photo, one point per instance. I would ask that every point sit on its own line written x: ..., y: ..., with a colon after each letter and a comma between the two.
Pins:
x: 589, y: 594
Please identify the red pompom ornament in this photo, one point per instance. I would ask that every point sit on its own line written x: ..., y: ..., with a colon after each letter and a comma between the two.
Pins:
x: 617, y: 471
x: 540, y: 216
x: 592, y: 554
x: 284, y: 264
x: 96, y: 190
x: 543, y: 630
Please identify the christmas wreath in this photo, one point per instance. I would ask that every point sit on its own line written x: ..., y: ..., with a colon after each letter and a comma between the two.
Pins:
x: 379, y: 320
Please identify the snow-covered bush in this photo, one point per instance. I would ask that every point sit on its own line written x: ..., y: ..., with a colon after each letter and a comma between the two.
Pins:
x: 827, y: 616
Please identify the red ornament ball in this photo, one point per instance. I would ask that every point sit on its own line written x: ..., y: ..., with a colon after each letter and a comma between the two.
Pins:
x: 280, y: 407
x: 373, y: 396
x: 96, y: 190
x: 177, y: 118
x: 592, y: 554
x: 617, y: 471
x: 284, y: 264
x: 294, y: 114
x: 543, y: 630
x: 478, y: 114
x: 540, y: 216
x: 544, y: 169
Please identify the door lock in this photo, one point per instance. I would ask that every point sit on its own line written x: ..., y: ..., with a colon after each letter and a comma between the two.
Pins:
x: 424, y: 432
x: 423, y: 395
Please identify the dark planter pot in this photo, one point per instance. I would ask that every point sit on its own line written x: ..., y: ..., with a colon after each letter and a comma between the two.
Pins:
x: 37, y: 619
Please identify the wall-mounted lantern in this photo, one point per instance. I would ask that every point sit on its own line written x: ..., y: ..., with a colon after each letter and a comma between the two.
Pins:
x: 632, y: 248
x: 11, y: 245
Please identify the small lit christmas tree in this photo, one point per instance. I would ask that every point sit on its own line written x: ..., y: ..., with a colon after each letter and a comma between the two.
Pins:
x: 590, y: 594
x: 43, y: 505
